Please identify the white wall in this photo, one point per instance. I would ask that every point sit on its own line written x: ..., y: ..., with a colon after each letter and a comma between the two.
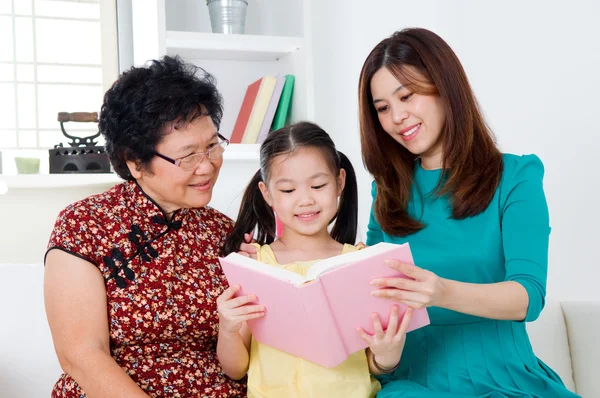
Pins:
x: 534, y: 66
x: 27, y: 217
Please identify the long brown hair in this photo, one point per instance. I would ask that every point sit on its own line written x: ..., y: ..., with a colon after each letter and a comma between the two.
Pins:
x: 471, y: 161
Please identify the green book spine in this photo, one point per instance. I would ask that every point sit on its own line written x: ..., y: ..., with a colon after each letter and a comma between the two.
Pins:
x: 283, y: 108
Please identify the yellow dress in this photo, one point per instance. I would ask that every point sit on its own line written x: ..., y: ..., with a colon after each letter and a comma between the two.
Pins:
x: 274, y: 373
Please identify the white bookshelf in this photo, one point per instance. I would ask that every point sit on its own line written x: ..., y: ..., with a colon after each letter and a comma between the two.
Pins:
x: 199, y: 45
x: 276, y: 41
x: 242, y: 152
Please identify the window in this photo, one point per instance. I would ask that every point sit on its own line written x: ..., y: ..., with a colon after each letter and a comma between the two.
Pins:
x: 55, y: 56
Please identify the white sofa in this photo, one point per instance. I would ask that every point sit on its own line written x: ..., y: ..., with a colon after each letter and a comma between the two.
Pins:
x: 565, y: 337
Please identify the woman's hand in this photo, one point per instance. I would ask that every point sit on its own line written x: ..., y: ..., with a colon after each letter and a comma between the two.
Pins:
x: 386, y: 346
x: 246, y: 248
x: 233, y: 312
x: 424, y: 289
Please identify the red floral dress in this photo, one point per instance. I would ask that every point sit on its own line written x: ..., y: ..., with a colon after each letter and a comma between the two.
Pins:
x: 162, y: 281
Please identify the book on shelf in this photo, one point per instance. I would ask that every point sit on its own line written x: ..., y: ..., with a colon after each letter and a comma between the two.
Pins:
x: 285, y: 102
x: 259, y: 109
x: 272, y: 108
x: 266, y: 107
x: 315, y: 317
x: 244, y: 114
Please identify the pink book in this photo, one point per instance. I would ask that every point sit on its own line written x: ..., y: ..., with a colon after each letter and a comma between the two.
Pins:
x: 316, y: 317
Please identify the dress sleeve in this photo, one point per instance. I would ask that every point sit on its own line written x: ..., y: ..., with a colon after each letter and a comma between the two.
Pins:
x: 73, y: 233
x: 526, y: 229
x: 374, y: 232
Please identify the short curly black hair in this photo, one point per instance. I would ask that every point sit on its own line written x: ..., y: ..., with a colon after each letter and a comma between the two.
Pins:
x: 144, y: 99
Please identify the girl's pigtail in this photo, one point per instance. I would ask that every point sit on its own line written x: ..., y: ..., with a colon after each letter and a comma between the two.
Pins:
x: 346, y: 223
x: 254, y: 213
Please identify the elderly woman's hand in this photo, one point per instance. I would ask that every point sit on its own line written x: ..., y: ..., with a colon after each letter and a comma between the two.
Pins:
x: 247, y: 248
x: 234, y: 311
x: 423, y: 289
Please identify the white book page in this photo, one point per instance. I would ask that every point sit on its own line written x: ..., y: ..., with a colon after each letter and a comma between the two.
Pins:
x: 323, y: 266
x: 267, y: 269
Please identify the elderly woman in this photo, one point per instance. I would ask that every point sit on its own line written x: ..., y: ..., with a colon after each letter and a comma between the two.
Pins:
x: 132, y: 274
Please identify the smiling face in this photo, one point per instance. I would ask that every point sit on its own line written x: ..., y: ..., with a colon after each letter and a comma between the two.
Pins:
x: 172, y: 187
x: 303, y: 191
x: 413, y: 120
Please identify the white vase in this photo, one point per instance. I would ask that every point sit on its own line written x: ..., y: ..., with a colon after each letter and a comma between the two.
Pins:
x: 227, y: 16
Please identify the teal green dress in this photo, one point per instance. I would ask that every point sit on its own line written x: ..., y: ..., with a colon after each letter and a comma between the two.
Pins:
x: 460, y: 355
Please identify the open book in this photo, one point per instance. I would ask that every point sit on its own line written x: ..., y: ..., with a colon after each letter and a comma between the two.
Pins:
x: 316, y: 317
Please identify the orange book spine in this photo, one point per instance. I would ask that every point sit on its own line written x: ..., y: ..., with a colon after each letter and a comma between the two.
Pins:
x: 245, y: 110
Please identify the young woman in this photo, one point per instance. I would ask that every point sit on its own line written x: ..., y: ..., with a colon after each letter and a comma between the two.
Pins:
x: 476, y: 220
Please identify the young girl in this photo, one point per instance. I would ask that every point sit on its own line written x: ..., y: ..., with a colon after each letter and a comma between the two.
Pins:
x: 309, y: 185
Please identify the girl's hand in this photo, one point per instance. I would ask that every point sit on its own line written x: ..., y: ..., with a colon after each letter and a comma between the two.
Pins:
x: 246, y: 248
x: 386, y: 346
x: 425, y: 289
x: 233, y: 312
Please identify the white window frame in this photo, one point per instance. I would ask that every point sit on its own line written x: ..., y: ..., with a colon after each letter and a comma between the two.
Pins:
x: 109, y: 56
x: 109, y: 40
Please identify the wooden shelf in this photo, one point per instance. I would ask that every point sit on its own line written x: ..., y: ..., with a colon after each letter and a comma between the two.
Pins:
x: 196, y: 45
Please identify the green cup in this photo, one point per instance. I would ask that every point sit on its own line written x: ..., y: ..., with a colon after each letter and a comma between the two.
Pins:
x: 27, y: 165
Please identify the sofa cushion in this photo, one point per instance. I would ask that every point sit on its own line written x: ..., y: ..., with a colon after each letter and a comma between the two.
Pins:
x: 28, y: 363
x: 583, y: 326
x: 548, y: 335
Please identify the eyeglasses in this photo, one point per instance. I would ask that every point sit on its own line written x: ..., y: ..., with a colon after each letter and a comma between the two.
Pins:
x: 190, y: 162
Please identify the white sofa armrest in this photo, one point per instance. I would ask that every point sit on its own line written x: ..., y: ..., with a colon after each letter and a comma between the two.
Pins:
x: 583, y: 328
x: 548, y: 335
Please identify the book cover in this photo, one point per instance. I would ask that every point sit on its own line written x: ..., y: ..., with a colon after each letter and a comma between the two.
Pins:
x: 259, y: 110
x: 316, y: 317
x: 244, y: 114
x: 283, y: 108
x: 270, y: 115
